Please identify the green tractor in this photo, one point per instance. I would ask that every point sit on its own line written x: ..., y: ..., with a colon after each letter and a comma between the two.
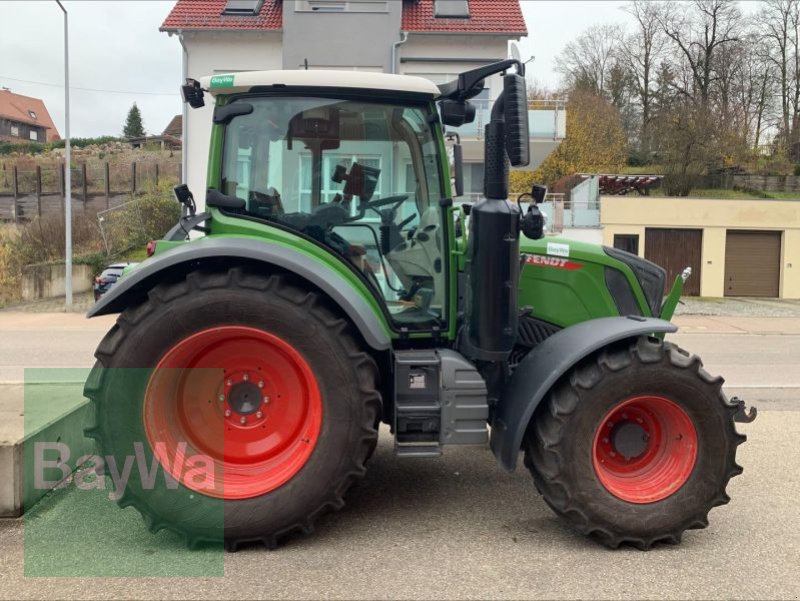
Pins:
x: 332, y: 285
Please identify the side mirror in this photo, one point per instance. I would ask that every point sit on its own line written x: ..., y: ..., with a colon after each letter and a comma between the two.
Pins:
x: 193, y: 93
x: 516, y: 118
x: 457, y: 112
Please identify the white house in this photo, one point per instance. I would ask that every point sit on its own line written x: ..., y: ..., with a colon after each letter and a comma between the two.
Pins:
x: 435, y: 39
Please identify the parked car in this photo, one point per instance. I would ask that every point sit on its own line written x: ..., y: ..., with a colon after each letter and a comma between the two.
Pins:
x: 108, y: 278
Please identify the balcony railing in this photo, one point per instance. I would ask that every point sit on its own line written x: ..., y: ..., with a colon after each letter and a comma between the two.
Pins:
x: 570, y: 214
x: 547, y: 119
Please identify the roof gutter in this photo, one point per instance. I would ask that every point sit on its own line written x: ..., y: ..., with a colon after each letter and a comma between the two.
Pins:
x: 173, y: 31
x: 504, y: 34
x: 403, y: 39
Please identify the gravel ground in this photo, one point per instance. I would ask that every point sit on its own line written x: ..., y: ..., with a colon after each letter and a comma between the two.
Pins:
x: 737, y: 306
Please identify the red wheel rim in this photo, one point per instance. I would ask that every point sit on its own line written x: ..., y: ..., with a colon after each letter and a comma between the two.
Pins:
x: 644, y: 449
x: 232, y: 412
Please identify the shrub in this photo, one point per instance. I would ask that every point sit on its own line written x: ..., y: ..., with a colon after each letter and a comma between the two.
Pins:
x: 147, y: 217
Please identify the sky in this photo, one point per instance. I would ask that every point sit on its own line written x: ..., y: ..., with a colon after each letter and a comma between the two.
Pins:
x: 115, y: 47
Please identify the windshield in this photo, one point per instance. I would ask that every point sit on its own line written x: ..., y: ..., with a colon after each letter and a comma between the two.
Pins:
x: 362, y: 178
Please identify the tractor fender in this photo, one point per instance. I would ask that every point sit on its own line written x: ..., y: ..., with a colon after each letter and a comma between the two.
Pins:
x: 133, y: 287
x: 545, y: 364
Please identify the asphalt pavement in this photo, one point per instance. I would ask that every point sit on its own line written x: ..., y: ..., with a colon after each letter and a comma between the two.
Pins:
x: 456, y: 527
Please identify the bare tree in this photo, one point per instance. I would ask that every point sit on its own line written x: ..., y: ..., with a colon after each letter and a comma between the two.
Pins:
x: 587, y: 60
x: 795, y: 131
x: 698, y: 34
x: 641, y: 51
x: 755, y: 88
x: 777, y: 21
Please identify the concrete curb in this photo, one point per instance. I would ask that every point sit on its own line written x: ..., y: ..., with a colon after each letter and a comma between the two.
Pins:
x: 18, y: 491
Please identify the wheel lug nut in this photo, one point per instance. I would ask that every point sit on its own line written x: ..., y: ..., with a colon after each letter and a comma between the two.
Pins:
x: 245, y: 377
x: 230, y: 382
x: 243, y: 420
x: 259, y: 415
x: 605, y: 440
x: 227, y: 413
x: 222, y: 397
x: 266, y: 400
x: 261, y: 384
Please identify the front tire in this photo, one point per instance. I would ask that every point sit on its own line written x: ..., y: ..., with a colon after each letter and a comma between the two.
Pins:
x: 635, y: 446
x: 258, y: 377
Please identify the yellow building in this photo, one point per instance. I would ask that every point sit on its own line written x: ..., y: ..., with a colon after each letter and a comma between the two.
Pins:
x: 735, y: 247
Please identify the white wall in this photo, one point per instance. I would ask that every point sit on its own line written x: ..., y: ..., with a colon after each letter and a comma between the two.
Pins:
x: 593, y: 235
x: 459, y: 46
x: 220, y: 52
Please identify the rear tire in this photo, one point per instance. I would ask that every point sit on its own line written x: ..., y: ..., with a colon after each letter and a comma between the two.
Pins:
x: 676, y: 433
x: 316, y: 349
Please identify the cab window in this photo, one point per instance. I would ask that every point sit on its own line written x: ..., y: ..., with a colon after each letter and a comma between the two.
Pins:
x: 361, y: 178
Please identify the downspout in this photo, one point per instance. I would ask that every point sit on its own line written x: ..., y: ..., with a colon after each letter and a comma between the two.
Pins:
x: 403, y: 39
x: 184, y: 118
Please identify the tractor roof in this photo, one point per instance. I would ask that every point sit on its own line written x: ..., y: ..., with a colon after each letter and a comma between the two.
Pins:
x: 233, y: 83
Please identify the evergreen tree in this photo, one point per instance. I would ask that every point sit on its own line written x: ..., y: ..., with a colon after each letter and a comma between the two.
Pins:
x: 133, y: 124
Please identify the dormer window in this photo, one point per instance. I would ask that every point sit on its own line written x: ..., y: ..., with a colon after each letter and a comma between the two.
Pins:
x: 451, y: 9
x: 242, y: 8
x: 32, y: 114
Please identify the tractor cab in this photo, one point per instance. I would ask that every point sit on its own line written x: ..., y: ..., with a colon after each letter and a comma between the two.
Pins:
x: 357, y: 163
x: 362, y: 177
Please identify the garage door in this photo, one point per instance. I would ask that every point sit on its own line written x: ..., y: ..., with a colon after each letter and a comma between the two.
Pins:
x: 674, y: 250
x: 752, y: 263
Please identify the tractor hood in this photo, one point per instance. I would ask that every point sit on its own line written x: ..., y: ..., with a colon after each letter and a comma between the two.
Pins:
x: 568, y: 281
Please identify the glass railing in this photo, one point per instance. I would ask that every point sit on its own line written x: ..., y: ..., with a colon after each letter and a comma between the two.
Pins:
x: 565, y: 214
x: 547, y: 119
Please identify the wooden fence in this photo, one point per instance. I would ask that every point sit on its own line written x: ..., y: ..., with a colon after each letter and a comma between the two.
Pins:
x: 25, y: 194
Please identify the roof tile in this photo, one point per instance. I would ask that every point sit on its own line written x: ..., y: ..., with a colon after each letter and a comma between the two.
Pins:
x: 207, y: 14
x: 485, y: 16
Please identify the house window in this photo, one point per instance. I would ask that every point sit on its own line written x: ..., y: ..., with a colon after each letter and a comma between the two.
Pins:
x: 627, y: 242
x: 451, y: 9
x: 326, y: 6
x: 34, y: 135
x: 32, y: 114
x: 341, y: 6
x: 15, y: 130
x: 242, y: 8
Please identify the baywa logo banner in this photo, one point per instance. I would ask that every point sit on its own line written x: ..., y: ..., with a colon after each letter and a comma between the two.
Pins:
x: 149, y: 442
